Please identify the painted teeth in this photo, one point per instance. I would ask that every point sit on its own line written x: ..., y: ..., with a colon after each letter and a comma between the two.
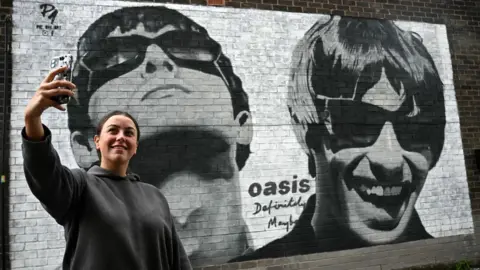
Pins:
x: 382, y: 191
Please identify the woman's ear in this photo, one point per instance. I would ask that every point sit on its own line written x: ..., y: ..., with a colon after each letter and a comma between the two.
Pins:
x: 96, y: 140
x: 136, y: 148
x: 245, y: 131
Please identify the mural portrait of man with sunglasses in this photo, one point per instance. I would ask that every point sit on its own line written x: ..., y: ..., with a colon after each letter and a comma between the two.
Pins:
x: 367, y: 105
x: 165, y: 70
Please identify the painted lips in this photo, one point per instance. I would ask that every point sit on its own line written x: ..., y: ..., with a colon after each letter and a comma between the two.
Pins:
x: 382, y: 190
x: 388, y: 196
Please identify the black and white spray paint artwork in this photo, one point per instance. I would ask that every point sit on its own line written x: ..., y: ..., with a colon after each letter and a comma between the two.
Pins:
x: 367, y: 105
x: 371, y: 156
x: 363, y: 103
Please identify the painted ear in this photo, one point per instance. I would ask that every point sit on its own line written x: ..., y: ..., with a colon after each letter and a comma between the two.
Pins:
x: 245, y: 131
x: 417, y: 35
x: 82, y: 149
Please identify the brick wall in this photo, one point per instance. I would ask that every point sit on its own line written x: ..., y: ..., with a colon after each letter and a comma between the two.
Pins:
x: 260, y: 44
x: 5, y: 12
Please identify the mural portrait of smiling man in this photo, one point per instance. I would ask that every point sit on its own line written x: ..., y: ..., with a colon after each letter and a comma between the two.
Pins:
x: 367, y: 105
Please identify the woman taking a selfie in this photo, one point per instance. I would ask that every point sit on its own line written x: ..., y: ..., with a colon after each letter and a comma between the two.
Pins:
x: 111, y: 219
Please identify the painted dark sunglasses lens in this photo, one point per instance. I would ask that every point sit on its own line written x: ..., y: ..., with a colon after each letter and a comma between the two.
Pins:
x: 179, y: 45
x: 354, y: 124
x: 359, y: 124
x: 189, y: 46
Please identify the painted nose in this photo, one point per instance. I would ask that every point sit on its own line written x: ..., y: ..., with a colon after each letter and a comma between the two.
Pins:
x: 157, y: 63
x: 385, y: 156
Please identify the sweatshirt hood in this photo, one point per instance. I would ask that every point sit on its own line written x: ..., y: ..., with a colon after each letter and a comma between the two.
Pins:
x: 101, y: 172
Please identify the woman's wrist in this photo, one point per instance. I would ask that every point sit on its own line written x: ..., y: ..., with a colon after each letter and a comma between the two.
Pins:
x: 34, y: 128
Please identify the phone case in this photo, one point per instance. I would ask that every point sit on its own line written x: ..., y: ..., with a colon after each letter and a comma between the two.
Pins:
x: 61, y: 61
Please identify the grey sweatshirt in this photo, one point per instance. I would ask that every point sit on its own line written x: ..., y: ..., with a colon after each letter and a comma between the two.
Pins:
x: 110, y: 222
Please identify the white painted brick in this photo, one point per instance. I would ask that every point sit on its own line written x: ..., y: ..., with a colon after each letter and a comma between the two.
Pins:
x: 54, y: 228
x: 17, y: 231
x: 55, y: 244
x: 25, y: 238
x: 260, y: 51
x: 49, y: 236
x: 23, y: 207
x: 51, y: 253
x: 24, y: 222
x: 35, y: 262
x: 36, y: 229
x: 35, y: 246
x: 17, y: 264
x: 36, y: 214
x: 14, y: 247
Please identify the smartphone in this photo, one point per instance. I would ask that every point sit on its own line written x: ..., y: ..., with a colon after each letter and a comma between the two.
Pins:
x: 61, y: 61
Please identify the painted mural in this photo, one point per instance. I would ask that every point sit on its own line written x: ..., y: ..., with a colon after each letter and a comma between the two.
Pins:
x: 285, y: 135
x: 370, y: 156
